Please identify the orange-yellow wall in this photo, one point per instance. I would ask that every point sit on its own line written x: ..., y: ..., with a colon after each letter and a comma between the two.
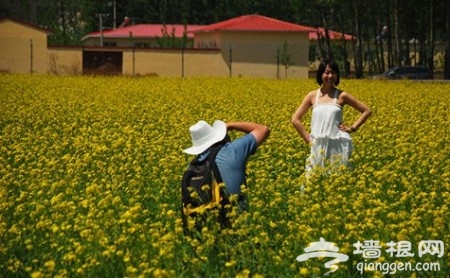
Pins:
x: 255, y: 53
x: 65, y: 60
x: 165, y: 62
x: 22, y: 49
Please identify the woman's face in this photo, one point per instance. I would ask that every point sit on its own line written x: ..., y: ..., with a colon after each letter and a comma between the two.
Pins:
x: 329, y: 76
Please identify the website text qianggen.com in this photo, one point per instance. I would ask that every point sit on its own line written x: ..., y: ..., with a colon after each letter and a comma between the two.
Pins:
x: 392, y: 268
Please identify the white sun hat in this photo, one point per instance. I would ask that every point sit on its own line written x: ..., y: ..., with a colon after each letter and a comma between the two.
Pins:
x: 204, y: 136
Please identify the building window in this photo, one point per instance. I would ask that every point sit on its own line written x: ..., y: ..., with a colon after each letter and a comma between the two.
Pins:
x: 141, y: 44
x: 110, y: 44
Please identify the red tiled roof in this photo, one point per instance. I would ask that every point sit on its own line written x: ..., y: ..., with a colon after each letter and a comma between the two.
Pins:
x: 255, y: 23
x: 333, y: 35
x: 147, y: 31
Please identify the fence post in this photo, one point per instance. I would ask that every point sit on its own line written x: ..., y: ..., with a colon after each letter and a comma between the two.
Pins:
x: 133, y: 54
x: 182, y: 61
x: 231, y: 60
x: 31, y: 56
x: 278, y: 62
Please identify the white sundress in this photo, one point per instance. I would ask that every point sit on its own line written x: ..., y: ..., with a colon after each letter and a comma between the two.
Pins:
x: 330, y: 145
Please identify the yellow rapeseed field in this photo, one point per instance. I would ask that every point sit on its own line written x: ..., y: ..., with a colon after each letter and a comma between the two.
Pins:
x: 90, y: 171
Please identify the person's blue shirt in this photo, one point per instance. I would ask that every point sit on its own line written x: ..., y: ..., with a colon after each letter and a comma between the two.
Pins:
x: 232, y: 159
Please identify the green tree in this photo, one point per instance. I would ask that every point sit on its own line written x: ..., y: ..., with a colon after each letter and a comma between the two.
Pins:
x: 285, y: 58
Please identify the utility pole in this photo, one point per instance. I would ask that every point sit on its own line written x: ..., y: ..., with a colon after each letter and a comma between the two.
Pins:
x: 100, y: 17
x: 114, y: 12
x: 62, y: 19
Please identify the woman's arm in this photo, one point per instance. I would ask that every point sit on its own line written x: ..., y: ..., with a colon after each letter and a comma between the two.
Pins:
x: 361, y: 107
x: 297, y: 117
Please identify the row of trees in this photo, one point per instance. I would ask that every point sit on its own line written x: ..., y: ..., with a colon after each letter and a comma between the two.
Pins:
x: 387, y: 32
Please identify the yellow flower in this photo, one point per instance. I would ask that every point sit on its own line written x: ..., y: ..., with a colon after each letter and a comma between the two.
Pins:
x: 50, y: 265
x: 37, y: 274
x: 304, y: 271
x: 132, y: 270
x: 230, y: 263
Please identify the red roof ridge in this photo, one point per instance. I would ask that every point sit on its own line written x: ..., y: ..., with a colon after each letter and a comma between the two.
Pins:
x: 255, y: 22
x: 146, y: 30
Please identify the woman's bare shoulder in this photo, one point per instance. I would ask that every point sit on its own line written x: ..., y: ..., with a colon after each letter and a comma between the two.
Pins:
x: 311, y: 96
x: 312, y: 93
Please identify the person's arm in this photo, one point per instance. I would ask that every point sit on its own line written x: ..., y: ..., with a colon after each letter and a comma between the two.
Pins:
x: 361, y: 107
x: 297, y: 117
x: 259, y: 131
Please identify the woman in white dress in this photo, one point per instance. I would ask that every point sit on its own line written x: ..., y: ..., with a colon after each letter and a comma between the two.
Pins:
x: 329, y: 138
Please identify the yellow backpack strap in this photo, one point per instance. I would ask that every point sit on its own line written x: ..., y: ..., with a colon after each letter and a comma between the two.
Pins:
x: 215, y: 199
x: 215, y: 191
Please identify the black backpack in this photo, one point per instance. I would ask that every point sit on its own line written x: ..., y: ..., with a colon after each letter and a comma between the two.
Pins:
x: 202, y: 188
